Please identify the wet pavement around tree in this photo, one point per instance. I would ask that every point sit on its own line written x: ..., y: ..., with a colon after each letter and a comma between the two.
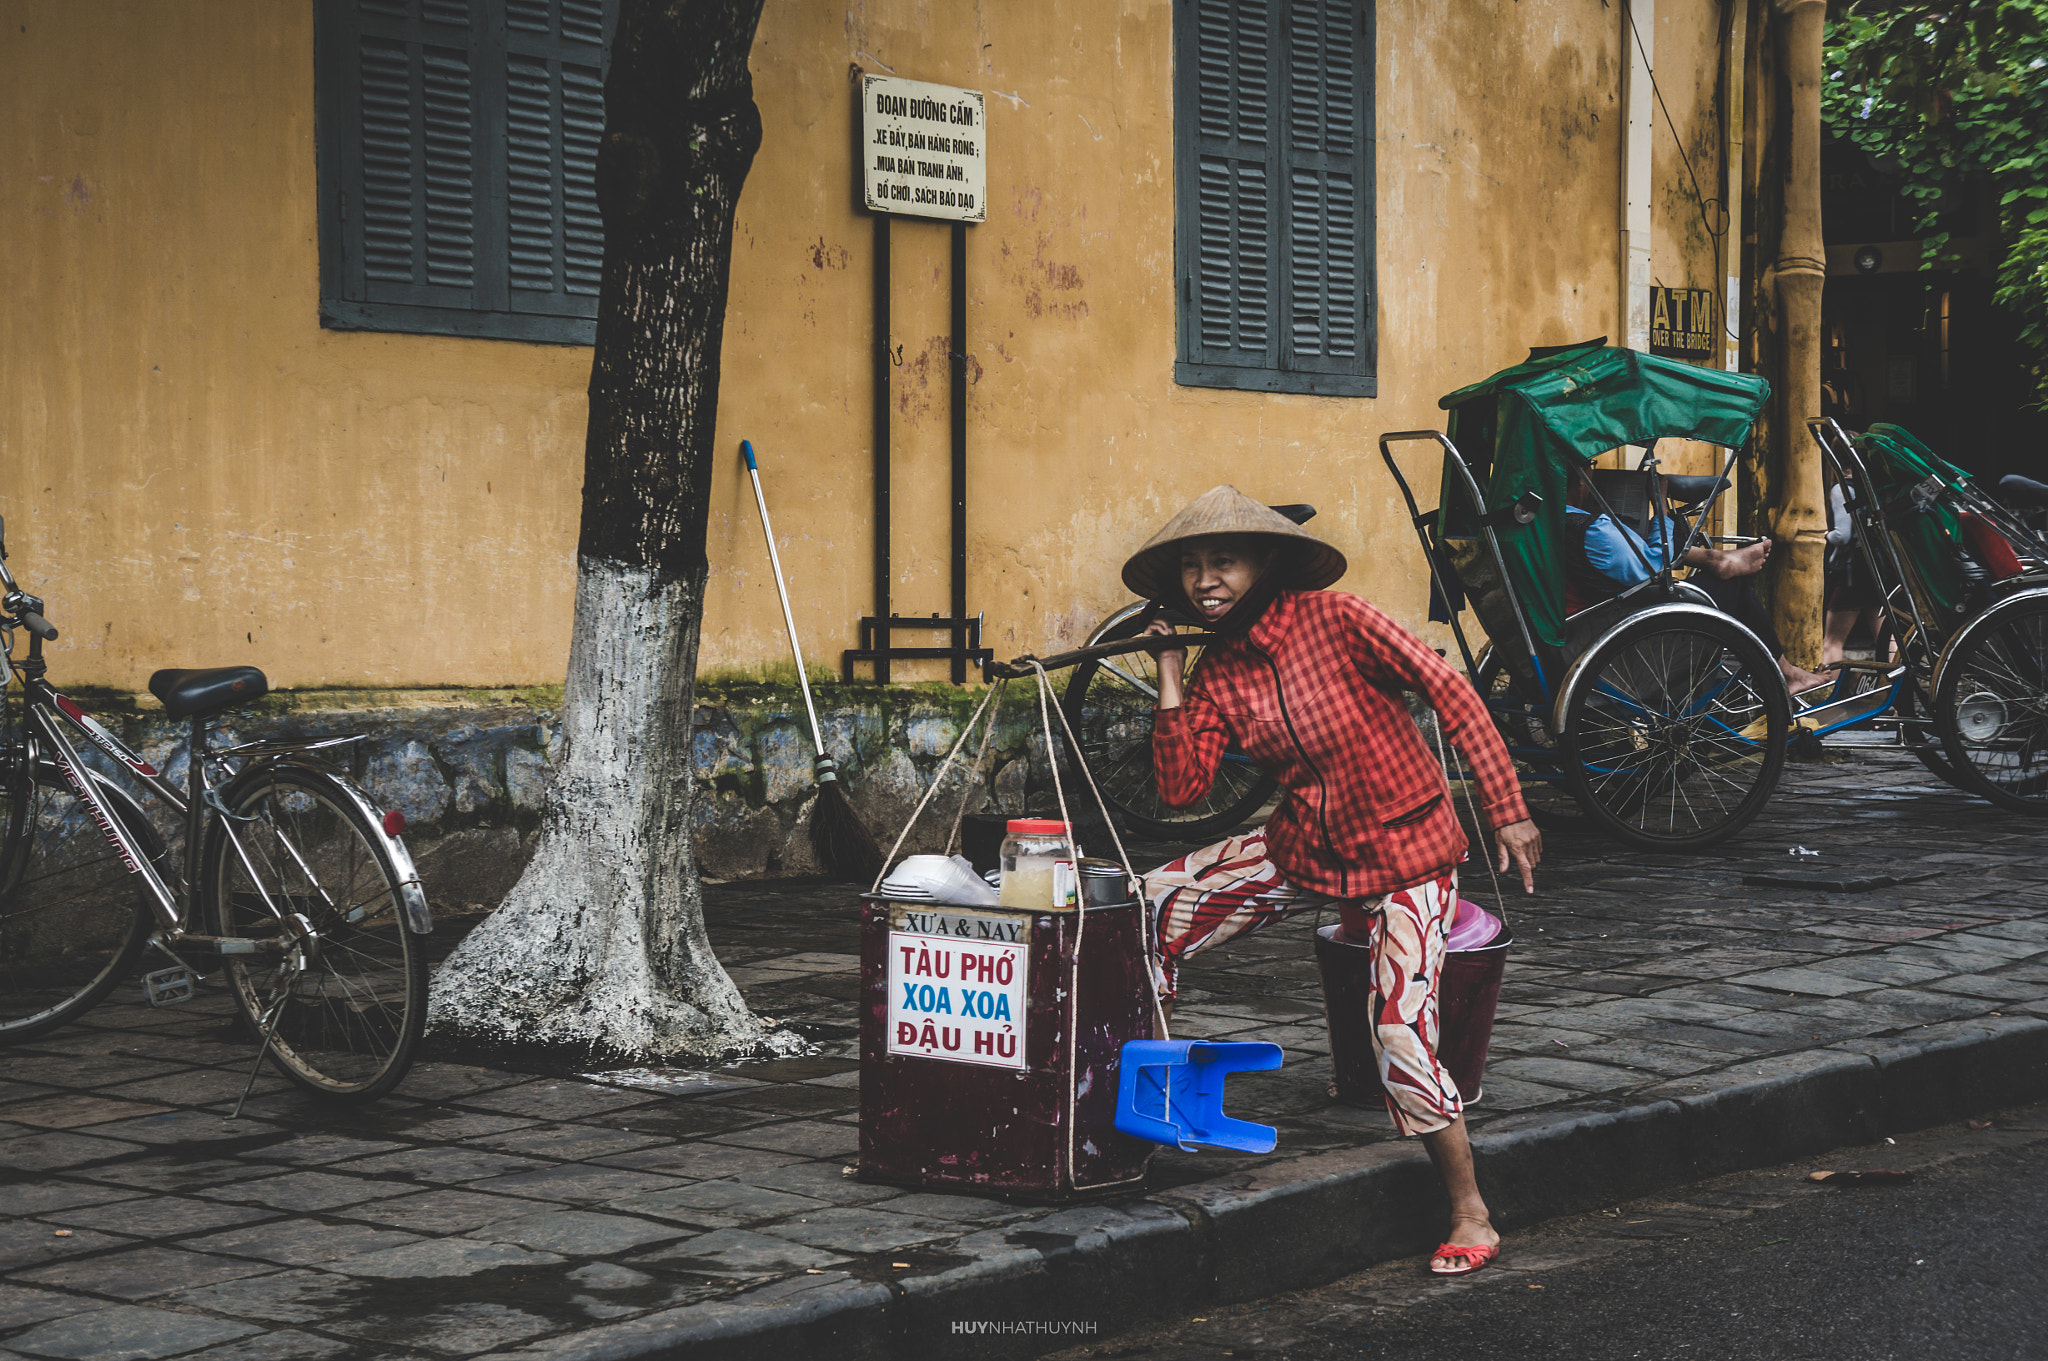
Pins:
x: 485, y: 1211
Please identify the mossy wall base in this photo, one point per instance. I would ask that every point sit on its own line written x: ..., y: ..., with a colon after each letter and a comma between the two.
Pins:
x: 469, y: 768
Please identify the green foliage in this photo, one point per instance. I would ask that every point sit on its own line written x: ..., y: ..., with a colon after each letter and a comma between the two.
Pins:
x: 1948, y: 94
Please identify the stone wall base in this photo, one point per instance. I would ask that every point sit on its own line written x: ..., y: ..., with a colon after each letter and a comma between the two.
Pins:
x: 469, y: 769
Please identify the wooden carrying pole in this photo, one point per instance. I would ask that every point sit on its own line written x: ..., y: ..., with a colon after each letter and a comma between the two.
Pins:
x: 1801, y: 525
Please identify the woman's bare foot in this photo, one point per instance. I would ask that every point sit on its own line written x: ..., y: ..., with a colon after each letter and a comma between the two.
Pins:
x: 1472, y: 1244
x: 1467, y: 1231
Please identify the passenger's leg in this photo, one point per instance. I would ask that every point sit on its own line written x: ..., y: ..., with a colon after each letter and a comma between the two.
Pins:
x: 1737, y: 597
x: 1835, y: 635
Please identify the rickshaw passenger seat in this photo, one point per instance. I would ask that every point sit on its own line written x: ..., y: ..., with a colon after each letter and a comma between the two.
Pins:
x: 1687, y: 493
x: 1627, y: 490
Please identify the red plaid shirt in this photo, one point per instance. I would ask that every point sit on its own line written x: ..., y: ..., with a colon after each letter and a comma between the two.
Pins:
x: 1313, y: 696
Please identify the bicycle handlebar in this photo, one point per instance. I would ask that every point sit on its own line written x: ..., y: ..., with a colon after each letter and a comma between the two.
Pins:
x: 39, y: 626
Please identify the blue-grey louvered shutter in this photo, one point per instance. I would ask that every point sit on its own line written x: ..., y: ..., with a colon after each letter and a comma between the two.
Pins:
x: 1327, y: 227
x: 458, y: 155
x: 1273, y: 103
x: 1230, y: 260
x: 554, y: 116
x: 408, y: 187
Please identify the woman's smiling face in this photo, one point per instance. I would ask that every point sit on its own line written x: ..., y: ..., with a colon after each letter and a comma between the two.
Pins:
x: 1216, y: 570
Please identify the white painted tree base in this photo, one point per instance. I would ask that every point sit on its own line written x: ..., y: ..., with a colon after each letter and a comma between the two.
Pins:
x: 600, y: 948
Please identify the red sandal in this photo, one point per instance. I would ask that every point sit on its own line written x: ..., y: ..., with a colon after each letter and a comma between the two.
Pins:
x: 1462, y: 1261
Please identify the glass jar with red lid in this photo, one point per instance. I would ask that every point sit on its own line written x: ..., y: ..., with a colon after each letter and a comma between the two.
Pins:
x: 1038, y: 866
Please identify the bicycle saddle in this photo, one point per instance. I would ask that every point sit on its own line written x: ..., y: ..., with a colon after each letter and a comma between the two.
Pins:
x: 2024, y: 490
x: 1301, y: 514
x: 189, y: 693
x: 1687, y: 492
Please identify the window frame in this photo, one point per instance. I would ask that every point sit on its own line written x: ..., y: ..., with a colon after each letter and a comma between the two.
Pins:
x: 1360, y: 375
x: 345, y: 301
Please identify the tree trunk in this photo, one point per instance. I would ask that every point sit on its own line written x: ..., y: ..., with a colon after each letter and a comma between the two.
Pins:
x: 1800, y: 523
x: 600, y: 948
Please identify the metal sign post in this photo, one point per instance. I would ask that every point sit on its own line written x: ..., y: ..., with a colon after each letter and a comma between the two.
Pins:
x: 924, y: 154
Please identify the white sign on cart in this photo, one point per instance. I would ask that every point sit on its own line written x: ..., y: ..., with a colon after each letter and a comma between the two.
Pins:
x: 958, y: 985
x: 924, y: 149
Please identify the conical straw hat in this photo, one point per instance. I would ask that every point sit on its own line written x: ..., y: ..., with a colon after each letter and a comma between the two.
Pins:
x: 1154, y: 570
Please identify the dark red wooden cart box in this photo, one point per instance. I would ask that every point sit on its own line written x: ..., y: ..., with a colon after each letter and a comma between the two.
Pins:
x: 987, y: 1063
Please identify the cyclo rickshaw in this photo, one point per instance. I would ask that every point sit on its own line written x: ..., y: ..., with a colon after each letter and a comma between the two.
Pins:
x: 1963, y: 585
x: 1666, y: 719
x: 1673, y: 716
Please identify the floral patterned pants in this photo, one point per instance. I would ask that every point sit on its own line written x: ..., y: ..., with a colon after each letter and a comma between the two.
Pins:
x: 1231, y: 889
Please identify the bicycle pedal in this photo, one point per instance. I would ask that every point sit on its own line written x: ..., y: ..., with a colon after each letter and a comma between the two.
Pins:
x: 168, y: 987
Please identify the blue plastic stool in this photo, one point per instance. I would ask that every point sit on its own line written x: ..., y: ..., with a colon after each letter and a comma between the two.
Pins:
x: 1171, y: 1092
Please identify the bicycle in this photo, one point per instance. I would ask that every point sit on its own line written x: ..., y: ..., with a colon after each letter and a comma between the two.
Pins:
x: 288, y: 875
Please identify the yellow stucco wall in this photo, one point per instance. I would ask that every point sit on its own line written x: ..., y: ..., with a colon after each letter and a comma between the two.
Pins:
x: 1499, y: 211
x: 197, y: 473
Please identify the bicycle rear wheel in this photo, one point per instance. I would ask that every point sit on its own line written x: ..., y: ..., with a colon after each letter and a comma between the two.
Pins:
x: 1109, y: 703
x: 346, y: 1012
x: 73, y: 919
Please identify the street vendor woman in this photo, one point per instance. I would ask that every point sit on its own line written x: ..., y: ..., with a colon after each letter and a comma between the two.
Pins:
x: 1308, y: 683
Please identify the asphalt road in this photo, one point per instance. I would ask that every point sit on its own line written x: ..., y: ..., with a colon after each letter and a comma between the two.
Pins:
x: 1762, y: 1266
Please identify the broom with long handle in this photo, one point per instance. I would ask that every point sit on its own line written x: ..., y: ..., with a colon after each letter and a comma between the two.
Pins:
x: 843, y: 845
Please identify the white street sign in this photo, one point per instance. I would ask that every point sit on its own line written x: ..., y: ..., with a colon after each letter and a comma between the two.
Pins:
x: 924, y: 149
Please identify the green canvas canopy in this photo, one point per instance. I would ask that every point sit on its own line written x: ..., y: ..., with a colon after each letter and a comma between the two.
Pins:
x: 1897, y: 463
x: 1526, y: 428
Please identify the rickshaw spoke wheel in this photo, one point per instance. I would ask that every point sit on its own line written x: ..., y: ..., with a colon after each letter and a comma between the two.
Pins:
x: 1991, y: 707
x: 1674, y: 730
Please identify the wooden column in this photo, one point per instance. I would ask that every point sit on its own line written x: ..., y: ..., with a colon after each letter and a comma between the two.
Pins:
x: 1800, y: 523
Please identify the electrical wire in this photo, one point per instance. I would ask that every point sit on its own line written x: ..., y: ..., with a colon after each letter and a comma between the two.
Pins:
x: 1700, y: 200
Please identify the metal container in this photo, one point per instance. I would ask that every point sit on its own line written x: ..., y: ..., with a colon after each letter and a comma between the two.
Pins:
x: 989, y: 1047
x: 1104, y: 883
x: 1466, y: 994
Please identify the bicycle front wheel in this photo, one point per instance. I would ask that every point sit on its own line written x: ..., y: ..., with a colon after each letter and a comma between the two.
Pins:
x: 343, y: 1007
x: 1110, y: 703
x: 73, y: 918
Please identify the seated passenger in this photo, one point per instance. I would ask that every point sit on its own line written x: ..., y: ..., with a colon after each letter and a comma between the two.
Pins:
x: 1607, y: 556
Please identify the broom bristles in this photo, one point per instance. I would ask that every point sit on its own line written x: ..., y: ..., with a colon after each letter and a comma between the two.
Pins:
x: 841, y: 841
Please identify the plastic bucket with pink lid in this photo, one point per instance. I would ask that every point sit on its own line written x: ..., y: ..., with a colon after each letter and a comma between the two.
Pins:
x: 1467, y: 994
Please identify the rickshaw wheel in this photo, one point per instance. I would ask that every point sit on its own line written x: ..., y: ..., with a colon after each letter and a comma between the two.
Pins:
x: 1991, y: 707
x: 1674, y: 729
x: 1109, y: 703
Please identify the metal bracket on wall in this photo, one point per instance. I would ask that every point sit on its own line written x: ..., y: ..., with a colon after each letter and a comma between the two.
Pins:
x: 877, y: 647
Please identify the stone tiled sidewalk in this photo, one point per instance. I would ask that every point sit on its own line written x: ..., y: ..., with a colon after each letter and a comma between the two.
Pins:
x: 486, y: 1212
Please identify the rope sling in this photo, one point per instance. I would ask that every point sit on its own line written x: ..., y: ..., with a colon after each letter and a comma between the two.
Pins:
x: 991, y: 706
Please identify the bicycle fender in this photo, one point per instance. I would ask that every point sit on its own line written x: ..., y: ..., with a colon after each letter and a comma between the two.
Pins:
x: 1983, y: 621
x: 412, y: 895
x: 1575, y: 678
